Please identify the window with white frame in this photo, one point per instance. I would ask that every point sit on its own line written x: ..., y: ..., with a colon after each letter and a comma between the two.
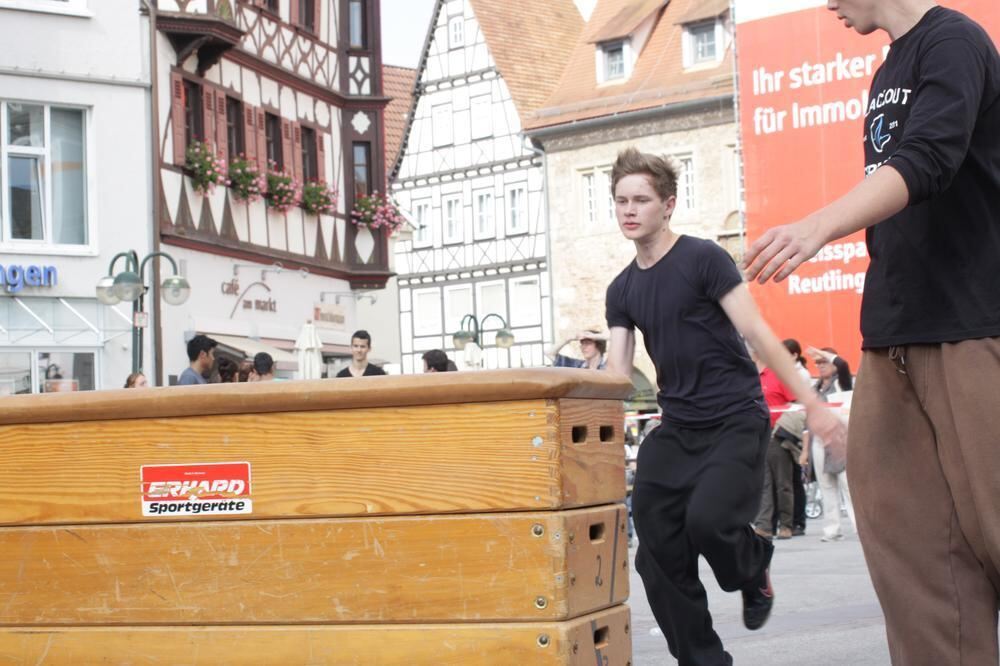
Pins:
x: 456, y: 32
x: 491, y: 298
x: 686, y: 196
x: 614, y: 61
x: 452, y: 220
x: 43, y: 197
x: 422, y: 235
x: 701, y: 41
x: 589, y: 191
x: 517, y: 209
x: 442, y: 125
x: 608, y: 195
x: 525, y: 302
x: 427, y: 311
x: 481, y: 112
x: 485, y: 214
x: 457, y: 304
x: 71, y: 7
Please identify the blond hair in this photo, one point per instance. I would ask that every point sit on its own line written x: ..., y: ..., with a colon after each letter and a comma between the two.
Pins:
x: 662, y: 174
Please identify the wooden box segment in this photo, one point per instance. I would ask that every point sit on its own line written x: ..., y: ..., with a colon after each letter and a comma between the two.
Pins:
x: 602, y: 638
x: 472, y: 457
x: 315, y: 395
x: 525, y: 566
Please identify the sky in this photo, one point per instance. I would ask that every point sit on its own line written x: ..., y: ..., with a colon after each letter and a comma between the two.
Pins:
x: 404, y: 27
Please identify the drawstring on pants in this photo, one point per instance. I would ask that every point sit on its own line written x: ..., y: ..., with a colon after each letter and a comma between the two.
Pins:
x: 898, y: 357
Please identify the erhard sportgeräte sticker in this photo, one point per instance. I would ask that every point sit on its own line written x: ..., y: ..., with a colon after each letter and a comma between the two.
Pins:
x: 196, y: 489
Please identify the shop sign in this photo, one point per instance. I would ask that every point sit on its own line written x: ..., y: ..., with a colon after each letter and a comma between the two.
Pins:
x: 16, y: 278
x: 328, y: 315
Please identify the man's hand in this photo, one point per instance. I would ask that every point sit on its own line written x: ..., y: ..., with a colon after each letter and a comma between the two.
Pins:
x: 804, y: 458
x: 781, y: 249
x: 826, y: 425
x: 590, y: 335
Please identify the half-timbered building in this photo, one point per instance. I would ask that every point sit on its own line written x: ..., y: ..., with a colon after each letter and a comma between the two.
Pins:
x: 472, y: 186
x: 291, y: 83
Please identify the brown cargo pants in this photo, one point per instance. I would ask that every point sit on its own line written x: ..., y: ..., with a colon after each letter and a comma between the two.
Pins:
x: 924, y: 464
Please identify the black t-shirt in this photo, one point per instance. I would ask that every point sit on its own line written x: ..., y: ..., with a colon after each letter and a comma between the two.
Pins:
x: 934, y: 116
x: 703, y: 370
x: 370, y: 370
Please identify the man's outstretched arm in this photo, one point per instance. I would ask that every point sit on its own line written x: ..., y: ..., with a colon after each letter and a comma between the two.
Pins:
x: 782, y: 249
x: 743, y: 313
x: 621, y: 351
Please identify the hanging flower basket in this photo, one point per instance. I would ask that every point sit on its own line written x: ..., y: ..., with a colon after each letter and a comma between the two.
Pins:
x: 246, y: 182
x: 283, y: 191
x: 375, y: 211
x: 318, y: 198
x: 208, y: 170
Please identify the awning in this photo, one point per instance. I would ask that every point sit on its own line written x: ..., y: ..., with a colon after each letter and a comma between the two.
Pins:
x: 32, y: 320
x: 328, y: 349
x: 236, y: 345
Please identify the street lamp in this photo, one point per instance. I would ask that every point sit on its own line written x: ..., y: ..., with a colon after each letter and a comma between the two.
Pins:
x: 462, y: 337
x: 130, y: 285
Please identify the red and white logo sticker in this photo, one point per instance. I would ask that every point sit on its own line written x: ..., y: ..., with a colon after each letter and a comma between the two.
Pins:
x: 202, y: 489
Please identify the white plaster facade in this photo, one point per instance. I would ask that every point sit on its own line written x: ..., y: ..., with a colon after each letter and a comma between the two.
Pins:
x: 57, y: 65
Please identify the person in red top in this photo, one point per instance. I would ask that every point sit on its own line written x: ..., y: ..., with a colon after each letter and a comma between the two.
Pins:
x: 776, y: 395
x: 779, y: 493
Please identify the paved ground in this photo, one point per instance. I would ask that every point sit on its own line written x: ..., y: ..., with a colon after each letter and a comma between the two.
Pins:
x: 825, y: 613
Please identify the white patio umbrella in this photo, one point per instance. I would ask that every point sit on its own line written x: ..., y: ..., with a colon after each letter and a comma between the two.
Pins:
x: 309, y: 349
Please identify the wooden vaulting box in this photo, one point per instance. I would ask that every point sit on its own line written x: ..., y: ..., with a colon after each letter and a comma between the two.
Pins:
x: 470, y: 518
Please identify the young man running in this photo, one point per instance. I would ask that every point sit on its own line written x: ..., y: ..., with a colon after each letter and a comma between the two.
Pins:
x: 700, y: 474
x: 923, y: 461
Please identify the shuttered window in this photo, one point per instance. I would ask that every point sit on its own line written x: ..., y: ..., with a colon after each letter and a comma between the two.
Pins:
x: 194, y: 123
x: 310, y: 162
x: 272, y: 136
x: 234, y: 128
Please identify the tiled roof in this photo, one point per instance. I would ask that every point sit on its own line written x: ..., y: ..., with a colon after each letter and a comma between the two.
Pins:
x: 658, y: 78
x: 707, y: 9
x: 628, y: 18
x: 531, y: 42
x: 397, y: 84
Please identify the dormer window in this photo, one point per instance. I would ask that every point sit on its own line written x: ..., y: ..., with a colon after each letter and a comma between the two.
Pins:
x: 703, y: 43
x: 707, y: 34
x: 614, y: 62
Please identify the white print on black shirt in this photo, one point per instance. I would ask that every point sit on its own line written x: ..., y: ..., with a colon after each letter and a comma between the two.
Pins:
x: 878, y: 133
x: 885, y: 126
x: 889, y: 96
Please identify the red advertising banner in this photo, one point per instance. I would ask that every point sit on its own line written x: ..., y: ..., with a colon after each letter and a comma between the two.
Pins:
x: 803, y: 93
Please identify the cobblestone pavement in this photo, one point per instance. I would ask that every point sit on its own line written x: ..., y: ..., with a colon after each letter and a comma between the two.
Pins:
x: 825, y: 614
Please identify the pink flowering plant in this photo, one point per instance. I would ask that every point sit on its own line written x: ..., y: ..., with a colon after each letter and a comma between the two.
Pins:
x: 208, y: 170
x: 283, y: 191
x: 246, y: 181
x: 318, y: 198
x: 377, y: 212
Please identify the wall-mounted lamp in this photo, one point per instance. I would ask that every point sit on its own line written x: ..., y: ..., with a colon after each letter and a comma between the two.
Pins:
x: 465, y: 335
x: 355, y: 295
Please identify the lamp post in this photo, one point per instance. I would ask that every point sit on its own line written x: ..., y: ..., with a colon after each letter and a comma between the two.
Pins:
x: 130, y: 285
x: 472, y: 332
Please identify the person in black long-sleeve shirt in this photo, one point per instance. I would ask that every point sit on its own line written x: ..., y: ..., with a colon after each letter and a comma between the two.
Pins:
x: 923, y: 458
